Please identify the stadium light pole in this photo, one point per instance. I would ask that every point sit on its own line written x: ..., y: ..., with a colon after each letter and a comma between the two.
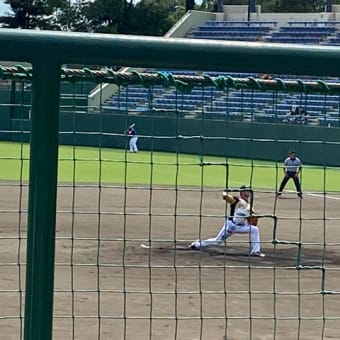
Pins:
x: 219, y: 6
x: 251, y: 7
x: 328, y: 6
x: 189, y: 5
x: 248, y: 10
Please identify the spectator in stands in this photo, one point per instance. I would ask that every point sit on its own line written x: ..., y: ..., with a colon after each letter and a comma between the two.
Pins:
x: 296, y: 115
x: 303, y: 116
x: 267, y: 76
x: 295, y: 110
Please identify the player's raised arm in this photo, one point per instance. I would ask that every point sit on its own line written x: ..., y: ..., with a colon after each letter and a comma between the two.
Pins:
x: 228, y: 198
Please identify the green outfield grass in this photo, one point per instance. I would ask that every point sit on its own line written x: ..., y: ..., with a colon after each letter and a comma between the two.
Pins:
x: 86, y: 164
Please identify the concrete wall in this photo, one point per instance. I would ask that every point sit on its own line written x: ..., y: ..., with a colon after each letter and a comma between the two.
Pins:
x: 240, y: 12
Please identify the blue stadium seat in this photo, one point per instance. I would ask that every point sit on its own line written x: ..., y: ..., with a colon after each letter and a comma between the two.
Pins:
x: 212, y: 102
x: 243, y: 23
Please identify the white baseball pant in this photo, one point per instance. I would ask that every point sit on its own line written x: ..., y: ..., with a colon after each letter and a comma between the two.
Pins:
x: 229, y: 228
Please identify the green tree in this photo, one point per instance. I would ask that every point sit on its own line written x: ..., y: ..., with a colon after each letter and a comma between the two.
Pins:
x: 71, y: 18
x: 146, y: 17
x: 108, y: 16
x: 156, y: 17
x: 30, y: 14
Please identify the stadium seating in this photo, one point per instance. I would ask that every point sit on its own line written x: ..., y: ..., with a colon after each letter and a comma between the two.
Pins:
x: 303, y: 32
x: 334, y: 40
x: 231, y: 30
x: 243, y: 104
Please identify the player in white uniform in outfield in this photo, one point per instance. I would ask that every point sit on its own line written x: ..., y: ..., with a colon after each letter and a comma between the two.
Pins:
x: 236, y: 223
x: 132, y: 134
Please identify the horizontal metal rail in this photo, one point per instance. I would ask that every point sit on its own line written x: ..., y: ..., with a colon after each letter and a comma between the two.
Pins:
x: 159, y: 52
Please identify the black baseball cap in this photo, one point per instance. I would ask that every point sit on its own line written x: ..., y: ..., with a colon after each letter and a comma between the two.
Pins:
x: 244, y: 188
x: 291, y: 151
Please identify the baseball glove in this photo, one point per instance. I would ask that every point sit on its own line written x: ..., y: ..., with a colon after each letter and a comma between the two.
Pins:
x: 253, y: 219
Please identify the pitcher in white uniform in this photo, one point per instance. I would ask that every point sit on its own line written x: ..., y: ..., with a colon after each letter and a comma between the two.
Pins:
x: 236, y: 223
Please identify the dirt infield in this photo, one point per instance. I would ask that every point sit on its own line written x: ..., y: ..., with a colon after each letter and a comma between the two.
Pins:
x: 109, y: 287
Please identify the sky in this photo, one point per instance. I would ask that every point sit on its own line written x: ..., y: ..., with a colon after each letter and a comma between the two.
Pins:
x: 3, y: 7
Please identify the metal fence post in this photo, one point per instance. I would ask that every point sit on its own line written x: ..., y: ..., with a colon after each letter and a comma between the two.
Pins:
x: 42, y: 200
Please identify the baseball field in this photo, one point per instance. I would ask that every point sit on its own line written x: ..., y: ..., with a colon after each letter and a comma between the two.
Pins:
x: 109, y: 287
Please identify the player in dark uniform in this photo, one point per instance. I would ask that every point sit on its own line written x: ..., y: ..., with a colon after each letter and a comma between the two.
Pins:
x: 292, y: 168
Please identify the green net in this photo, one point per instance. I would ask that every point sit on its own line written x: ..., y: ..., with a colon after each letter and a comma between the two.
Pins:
x: 125, y: 219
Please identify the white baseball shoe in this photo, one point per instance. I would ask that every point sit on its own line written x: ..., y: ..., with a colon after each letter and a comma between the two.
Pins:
x: 195, y: 245
x: 258, y: 254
